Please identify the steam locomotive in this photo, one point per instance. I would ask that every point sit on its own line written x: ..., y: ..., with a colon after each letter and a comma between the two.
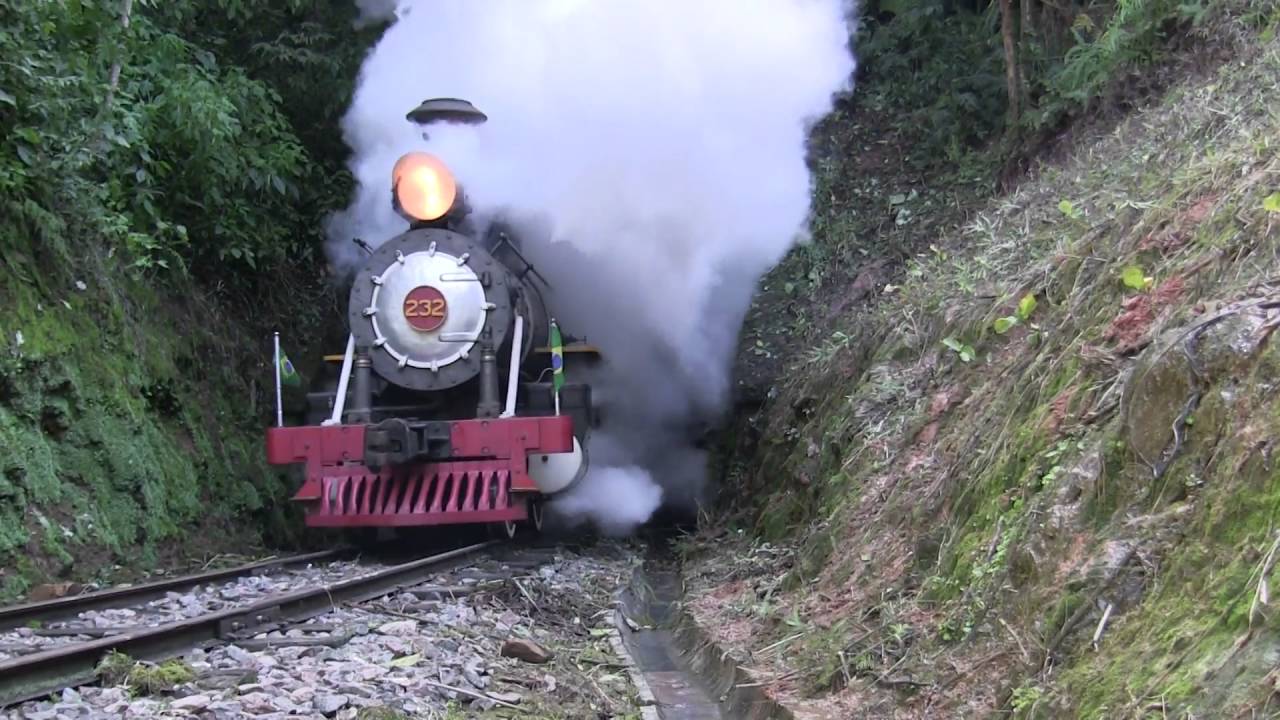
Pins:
x: 450, y: 405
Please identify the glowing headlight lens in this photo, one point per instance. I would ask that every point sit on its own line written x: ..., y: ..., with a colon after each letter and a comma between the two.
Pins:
x: 424, y: 188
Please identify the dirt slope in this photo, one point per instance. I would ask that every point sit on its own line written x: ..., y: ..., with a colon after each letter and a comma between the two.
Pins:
x: 1035, y: 472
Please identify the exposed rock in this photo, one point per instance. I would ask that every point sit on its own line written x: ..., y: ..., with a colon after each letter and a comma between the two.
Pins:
x: 1171, y: 373
x: 303, y: 695
x: 50, y: 591
x: 225, y: 709
x: 327, y: 703
x: 507, y: 697
x: 399, y: 628
x: 526, y: 650
x: 241, y: 656
x: 256, y: 702
x: 191, y: 702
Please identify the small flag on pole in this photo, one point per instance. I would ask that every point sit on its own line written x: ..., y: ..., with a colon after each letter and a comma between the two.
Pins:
x: 557, y: 362
x: 288, y: 375
x: 557, y: 357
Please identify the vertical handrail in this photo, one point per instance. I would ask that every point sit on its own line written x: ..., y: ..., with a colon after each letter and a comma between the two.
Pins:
x: 513, y: 376
x: 279, y: 399
x: 339, y: 402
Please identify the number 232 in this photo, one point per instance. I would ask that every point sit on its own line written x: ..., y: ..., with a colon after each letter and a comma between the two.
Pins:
x: 424, y: 308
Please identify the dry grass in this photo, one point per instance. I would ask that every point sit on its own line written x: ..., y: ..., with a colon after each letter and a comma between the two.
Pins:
x: 930, y: 582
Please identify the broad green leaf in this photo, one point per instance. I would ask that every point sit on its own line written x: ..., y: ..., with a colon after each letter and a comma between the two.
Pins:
x: 897, y: 199
x: 7, y: 99
x: 1272, y: 203
x: 1026, y: 306
x: 1133, y: 277
x: 1066, y: 207
x: 1004, y: 324
x: 952, y: 343
x: 967, y: 353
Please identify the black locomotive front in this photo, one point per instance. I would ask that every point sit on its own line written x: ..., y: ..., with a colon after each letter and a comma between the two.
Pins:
x: 442, y: 410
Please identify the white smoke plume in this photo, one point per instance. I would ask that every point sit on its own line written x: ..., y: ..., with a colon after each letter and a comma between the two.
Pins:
x: 657, y: 150
x: 617, y: 498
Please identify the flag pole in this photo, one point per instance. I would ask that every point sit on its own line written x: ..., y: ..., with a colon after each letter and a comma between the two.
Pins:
x: 279, y: 400
x: 557, y: 352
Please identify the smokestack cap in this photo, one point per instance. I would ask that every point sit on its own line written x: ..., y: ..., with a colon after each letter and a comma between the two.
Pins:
x: 446, y: 110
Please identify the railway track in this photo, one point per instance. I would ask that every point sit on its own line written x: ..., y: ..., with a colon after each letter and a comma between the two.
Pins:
x: 28, y: 614
x: 74, y: 648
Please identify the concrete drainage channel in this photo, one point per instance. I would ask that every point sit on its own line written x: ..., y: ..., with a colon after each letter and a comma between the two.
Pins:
x: 681, y: 674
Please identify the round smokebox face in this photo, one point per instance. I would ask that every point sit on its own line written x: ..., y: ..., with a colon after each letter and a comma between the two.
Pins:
x: 425, y: 308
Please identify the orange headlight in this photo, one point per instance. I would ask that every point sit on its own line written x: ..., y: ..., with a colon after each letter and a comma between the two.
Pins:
x: 423, y: 186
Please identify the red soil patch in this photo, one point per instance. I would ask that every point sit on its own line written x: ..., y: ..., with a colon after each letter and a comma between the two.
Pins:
x: 926, y: 435
x: 1058, y: 409
x: 1176, y: 234
x: 1200, y: 210
x: 941, y: 401
x: 1131, y: 329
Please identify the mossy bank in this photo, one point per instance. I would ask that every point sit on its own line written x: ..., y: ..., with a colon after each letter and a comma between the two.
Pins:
x: 1032, y: 470
x: 131, y: 420
x: 166, y: 171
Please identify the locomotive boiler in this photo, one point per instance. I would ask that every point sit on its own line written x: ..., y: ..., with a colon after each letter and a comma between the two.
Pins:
x: 449, y: 405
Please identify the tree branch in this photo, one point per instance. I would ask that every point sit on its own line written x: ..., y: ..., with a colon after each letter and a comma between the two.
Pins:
x: 125, y: 13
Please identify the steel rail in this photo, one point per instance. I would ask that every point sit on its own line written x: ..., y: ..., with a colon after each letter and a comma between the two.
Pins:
x: 36, y: 675
x: 63, y: 607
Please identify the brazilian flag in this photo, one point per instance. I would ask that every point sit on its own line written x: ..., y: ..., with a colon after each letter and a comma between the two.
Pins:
x: 557, y: 357
x: 288, y: 375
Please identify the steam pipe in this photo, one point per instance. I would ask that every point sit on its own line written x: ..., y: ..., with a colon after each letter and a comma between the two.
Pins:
x: 513, y: 376
x: 340, y: 400
x: 362, y: 411
x: 488, y: 406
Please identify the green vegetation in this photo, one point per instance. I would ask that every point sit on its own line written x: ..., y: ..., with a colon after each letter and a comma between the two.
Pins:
x: 383, y: 713
x: 1015, y: 425
x: 167, y: 169
x: 957, y: 75
x: 118, y: 668
x: 169, y: 132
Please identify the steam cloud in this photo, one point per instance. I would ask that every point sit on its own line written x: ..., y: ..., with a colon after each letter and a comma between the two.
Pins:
x: 653, y: 154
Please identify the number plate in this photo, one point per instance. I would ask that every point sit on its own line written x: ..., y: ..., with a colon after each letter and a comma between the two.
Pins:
x: 425, y: 308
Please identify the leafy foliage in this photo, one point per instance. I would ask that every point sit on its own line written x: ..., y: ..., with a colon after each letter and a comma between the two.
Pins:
x: 943, y: 62
x: 167, y: 165
x: 1026, y: 306
x: 165, y: 134
x: 1134, y: 279
x: 964, y: 350
x: 1132, y: 37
